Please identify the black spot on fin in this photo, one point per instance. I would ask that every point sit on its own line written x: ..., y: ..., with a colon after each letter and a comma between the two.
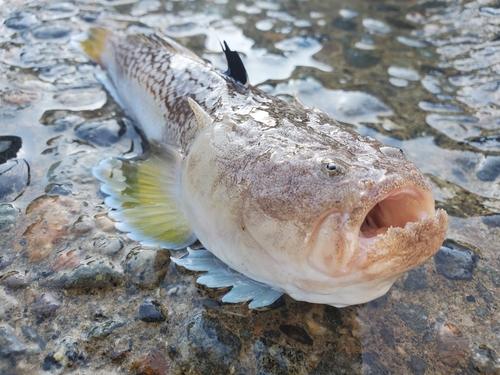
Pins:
x: 235, y: 68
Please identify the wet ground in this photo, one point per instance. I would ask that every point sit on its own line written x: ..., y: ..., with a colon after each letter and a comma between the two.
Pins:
x: 79, y: 297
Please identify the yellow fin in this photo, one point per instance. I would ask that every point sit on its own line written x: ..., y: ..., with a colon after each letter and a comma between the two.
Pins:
x: 146, y: 196
x: 94, y: 44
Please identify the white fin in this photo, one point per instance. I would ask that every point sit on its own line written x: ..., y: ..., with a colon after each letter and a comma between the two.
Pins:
x: 146, y: 198
x: 221, y: 276
x: 202, y: 117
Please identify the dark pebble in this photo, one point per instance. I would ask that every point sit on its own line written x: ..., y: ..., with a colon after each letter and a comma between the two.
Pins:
x: 381, y: 7
x: 492, y: 220
x: 32, y: 335
x: 101, y: 133
x: 400, y: 24
x: 49, y: 362
x: 455, y: 261
x: 357, y: 59
x: 21, y: 21
x: 49, y: 31
x: 415, y: 316
x: 296, y: 333
x: 14, y: 177
x: 59, y: 189
x: 417, y: 365
x: 212, y: 348
x: 471, y: 299
x: 9, y: 343
x: 485, y: 360
x: 495, y: 278
x: 273, y: 358
x: 9, y: 147
x: 151, y: 312
x: 416, y: 279
x: 344, y: 24
x: 89, y: 17
x: 46, y: 305
x: 490, y: 169
x: 153, y: 363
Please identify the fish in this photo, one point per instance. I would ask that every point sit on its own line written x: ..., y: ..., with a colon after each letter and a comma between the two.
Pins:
x: 283, y: 198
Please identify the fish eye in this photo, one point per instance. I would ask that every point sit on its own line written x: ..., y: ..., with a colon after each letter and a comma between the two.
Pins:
x: 331, y: 168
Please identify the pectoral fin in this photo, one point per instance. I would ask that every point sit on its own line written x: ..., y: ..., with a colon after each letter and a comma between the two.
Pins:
x: 146, y: 196
x: 221, y: 276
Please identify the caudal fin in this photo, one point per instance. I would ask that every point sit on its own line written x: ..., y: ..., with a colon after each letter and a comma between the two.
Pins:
x: 93, y: 46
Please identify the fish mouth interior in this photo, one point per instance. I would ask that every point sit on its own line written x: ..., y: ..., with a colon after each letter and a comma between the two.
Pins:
x: 396, y: 210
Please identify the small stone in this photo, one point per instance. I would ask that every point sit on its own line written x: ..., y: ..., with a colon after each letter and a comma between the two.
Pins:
x: 492, y: 221
x: 357, y: 59
x: 490, y: 169
x: 7, y: 303
x: 452, y: 347
x: 344, y: 24
x: 417, y: 365
x: 21, y: 21
x: 51, y: 31
x: 484, y: 293
x: 14, y: 177
x: 96, y: 274
x: 296, y: 333
x: 470, y: 299
x: 15, y: 279
x: 413, y: 315
x: 46, y: 305
x: 59, y: 189
x: 153, y: 363
x: 151, y: 311
x: 105, y: 329
x: 10, y: 343
x: 147, y: 268
x: 66, y: 352
x: 101, y: 133
x: 455, y: 261
x: 108, y: 245
x: 416, y: 279
x: 84, y: 224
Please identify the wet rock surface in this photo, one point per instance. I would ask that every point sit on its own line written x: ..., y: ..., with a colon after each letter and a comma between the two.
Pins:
x: 77, y: 296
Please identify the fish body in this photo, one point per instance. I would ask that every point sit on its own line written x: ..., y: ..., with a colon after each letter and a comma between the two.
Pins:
x: 282, y: 194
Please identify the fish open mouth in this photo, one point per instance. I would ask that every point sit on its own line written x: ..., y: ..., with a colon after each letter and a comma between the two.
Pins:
x: 395, y: 210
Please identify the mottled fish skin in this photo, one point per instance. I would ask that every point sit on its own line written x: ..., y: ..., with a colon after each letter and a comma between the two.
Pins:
x: 277, y: 191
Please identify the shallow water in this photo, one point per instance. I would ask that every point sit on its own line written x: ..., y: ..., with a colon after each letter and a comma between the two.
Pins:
x: 79, y: 297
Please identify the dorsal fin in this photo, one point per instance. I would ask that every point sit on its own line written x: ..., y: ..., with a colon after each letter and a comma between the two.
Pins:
x: 235, y: 68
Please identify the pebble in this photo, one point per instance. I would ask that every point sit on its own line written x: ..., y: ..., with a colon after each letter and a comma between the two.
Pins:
x: 15, y: 279
x: 153, y: 363
x: 490, y: 170
x: 417, y: 365
x: 415, y: 316
x: 8, y: 216
x: 46, y: 305
x: 358, y: 59
x: 21, y: 21
x: 59, y: 189
x: 484, y: 293
x: 95, y: 274
x: 455, y: 261
x: 151, y: 311
x: 108, y: 245
x: 51, y: 31
x: 452, y: 346
x: 9, y: 343
x: 344, y: 24
x: 103, y: 330
x: 146, y: 268
x: 66, y: 352
x: 273, y: 358
x: 207, y: 346
x: 416, y: 279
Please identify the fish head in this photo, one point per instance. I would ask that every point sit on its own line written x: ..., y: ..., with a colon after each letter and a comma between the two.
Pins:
x: 325, y: 214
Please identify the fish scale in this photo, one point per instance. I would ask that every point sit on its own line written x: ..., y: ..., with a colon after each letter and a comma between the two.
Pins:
x: 283, y: 197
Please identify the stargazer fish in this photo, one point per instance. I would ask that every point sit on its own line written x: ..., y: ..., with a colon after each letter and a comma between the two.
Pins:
x: 284, y: 197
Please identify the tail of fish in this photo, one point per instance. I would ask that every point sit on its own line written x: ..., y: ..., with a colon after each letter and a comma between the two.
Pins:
x: 95, y: 42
